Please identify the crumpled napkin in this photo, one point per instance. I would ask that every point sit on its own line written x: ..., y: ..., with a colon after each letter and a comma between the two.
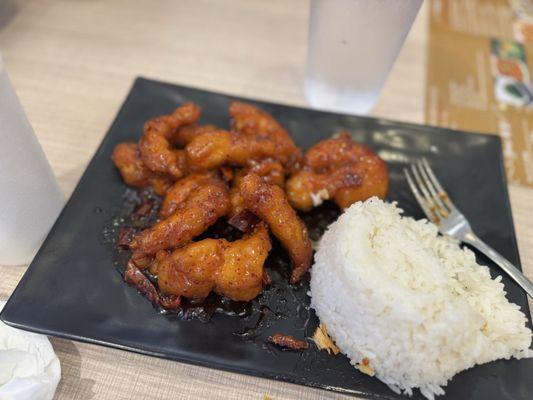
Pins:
x: 29, y: 368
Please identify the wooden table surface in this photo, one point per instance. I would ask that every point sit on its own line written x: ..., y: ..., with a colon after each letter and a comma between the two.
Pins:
x: 72, y: 63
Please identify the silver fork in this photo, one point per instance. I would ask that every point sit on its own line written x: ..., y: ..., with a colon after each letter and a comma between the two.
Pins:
x: 440, y: 210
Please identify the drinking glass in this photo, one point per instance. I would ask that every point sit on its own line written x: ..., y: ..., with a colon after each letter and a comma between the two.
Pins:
x: 30, y: 199
x: 352, y: 46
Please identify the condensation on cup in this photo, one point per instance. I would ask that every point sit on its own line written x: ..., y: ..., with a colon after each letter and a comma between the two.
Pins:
x: 351, y: 48
x: 30, y: 199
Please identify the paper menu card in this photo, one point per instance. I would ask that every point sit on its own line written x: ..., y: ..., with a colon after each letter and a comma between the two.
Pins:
x: 480, y: 59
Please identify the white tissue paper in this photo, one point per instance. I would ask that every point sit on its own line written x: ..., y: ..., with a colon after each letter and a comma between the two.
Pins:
x: 29, y: 368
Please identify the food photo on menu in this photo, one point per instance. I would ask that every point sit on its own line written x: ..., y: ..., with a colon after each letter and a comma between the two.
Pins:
x: 179, y: 208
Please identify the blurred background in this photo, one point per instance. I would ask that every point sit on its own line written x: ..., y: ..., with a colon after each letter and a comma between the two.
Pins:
x: 73, y: 62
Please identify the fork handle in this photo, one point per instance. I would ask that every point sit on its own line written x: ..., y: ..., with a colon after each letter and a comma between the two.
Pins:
x: 502, y: 262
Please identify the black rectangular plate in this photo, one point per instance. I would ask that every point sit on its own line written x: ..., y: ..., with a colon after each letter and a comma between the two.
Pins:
x: 72, y: 290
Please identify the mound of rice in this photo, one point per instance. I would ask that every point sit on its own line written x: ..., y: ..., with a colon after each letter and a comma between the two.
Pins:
x: 407, y: 305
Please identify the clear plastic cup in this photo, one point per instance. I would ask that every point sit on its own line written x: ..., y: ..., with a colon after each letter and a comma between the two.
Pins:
x: 351, y: 48
x: 30, y: 199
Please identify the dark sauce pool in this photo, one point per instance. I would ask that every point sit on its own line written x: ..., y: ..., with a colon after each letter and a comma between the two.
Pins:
x: 278, y: 301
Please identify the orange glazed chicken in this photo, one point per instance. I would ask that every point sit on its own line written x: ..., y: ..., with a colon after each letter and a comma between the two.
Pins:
x: 127, y: 158
x: 231, y: 269
x: 156, y: 149
x: 270, y: 204
x: 200, y: 209
x: 339, y: 169
x: 251, y: 177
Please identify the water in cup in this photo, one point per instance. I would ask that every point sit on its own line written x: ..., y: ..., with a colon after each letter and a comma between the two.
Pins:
x: 351, y: 49
x: 30, y: 199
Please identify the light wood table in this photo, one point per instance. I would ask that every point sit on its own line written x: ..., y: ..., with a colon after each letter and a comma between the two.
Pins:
x: 72, y: 64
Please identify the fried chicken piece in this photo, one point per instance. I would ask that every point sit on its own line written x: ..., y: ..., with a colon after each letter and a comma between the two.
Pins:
x: 373, y: 173
x: 287, y: 341
x: 156, y: 150
x: 160, y: 157
x: 270, y: 170
x: 214, y: 149
x: 190, y: 271
x: 179, y: 192
x: 307, y: 189
x: 161, y: 185
x: 236, y: 200
x: 270, y: 204
x: 201, y: 209
x: 231, y: 269
x: 338, y: 169
x: 153, y: 263
x: 251, y: 121
x: 127, y: 159
x: 241, y: 275
x: 187, y: 133
x: 332, y: 153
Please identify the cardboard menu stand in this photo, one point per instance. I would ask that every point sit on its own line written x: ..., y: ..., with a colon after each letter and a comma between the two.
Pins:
x: 480, y: 74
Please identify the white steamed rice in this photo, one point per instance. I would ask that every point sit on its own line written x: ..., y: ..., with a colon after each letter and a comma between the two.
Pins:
x: 414, y: 304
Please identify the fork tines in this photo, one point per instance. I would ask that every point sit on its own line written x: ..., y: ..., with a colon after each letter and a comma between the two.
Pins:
x: 427, y: 190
